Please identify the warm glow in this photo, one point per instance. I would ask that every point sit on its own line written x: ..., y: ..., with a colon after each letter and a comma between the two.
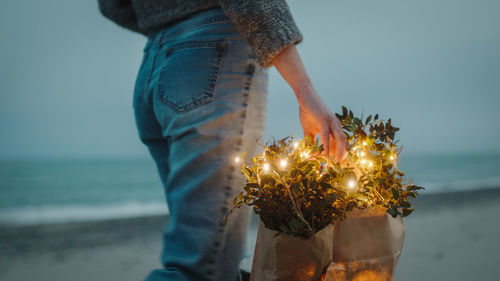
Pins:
x: 295, y: 178
x: 266, y: 167
x: 351, y: 184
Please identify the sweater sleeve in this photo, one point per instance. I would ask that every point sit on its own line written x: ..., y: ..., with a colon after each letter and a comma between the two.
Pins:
x: 267, y: 26
x: 121, y: 12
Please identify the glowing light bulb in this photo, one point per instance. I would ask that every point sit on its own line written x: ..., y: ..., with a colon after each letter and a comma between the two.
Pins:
x: 266, y: 167
x: 364, y: 142
x: 363, y: 161
x: 304, y: 154
x: 283, y: 163
x: 237, y: 160
x: 370, y: 164
x: 391, y: 157
x: 351, y: 184
x: 295, y: 144
x: 362, y: 153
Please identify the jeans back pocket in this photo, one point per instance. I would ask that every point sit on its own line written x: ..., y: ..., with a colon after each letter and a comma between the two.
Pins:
x: 189, y: 74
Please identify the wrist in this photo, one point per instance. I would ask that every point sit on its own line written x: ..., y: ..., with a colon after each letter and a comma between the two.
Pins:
x: 303, y: 90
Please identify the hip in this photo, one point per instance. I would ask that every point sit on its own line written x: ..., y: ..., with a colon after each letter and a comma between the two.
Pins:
x: 198, y: 68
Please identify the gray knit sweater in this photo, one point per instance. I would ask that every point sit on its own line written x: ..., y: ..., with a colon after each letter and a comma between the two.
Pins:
x: 267, y: 25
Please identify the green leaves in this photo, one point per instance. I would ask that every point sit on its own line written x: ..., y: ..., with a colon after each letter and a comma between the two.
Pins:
x: 368, y: 119
x: 395, y: 193
x: 298, y: 191
x: 407, y: 211
x: 247, y: 172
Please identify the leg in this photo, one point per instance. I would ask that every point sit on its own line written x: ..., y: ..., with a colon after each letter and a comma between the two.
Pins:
x: 203, y: 137
x: 148, y: 127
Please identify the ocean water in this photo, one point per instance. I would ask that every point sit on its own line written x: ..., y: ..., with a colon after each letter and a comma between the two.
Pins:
x: 63, y: 190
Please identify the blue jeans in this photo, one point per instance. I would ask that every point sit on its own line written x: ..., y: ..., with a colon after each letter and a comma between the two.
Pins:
x: 199, y: 102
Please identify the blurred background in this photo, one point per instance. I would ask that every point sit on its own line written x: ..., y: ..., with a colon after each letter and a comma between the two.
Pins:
x: 80, y: 197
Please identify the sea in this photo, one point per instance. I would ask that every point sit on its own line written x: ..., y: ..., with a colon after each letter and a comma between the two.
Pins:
x: 45, y: 191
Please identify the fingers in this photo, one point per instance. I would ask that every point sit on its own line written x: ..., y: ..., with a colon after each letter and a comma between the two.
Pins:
x: 332, y: 145
x: 324, y: 135
x: 340, y: 151
x: 340, y: 143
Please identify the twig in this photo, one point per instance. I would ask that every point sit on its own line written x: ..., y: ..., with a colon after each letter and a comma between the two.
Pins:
x: 297, y: 209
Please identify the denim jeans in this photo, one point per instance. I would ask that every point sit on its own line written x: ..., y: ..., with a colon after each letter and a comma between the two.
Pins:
x: 199, y: 102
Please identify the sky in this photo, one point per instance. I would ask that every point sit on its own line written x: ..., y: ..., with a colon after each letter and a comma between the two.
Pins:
x: 433, y: 66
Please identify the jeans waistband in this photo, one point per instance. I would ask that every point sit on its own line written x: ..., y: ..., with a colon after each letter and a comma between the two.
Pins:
x: 194, y: 21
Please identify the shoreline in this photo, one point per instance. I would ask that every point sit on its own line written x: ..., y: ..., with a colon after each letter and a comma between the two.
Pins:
x: 422, y: 204
x: 448, y: 233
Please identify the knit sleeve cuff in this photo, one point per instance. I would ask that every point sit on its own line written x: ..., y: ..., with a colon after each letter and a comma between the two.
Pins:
x: 267, y: 26
x: 120, y: 12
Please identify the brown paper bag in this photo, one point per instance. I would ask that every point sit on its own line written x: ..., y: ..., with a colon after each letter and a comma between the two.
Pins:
x: 366, y: 246
x: 288, y: 258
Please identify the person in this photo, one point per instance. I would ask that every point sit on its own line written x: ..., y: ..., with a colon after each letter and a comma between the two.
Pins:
x: 199, y: 102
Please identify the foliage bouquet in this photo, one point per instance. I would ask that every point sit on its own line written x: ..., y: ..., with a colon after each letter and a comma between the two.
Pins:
x: 304, y: 199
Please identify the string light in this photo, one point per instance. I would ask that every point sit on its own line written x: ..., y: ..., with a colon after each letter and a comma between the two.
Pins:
x: 351, y: 184
x: 266, y: 167
x: 365, y: 177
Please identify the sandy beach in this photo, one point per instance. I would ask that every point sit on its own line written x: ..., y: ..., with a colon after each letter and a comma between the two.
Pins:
x: 451, y: 236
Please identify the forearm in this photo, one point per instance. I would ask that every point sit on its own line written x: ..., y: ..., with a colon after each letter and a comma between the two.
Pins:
x: 314, y: 114
x: 290, y: 66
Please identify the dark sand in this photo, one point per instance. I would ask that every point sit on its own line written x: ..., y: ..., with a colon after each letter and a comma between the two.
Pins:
x: 453, y: 236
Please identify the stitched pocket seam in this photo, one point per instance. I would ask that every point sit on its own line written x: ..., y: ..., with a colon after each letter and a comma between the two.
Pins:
x: 209, y: 91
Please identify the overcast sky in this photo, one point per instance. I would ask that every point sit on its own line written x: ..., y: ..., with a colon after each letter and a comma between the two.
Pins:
x: 433, y: 66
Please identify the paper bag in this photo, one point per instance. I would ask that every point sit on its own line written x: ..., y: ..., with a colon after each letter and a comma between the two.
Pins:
x: 288, y: 258
x: 366, y: 246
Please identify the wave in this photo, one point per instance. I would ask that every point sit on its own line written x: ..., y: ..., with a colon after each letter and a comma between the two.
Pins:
x: 21, y: 216
x: 79, y: 213
x: 460, y: 185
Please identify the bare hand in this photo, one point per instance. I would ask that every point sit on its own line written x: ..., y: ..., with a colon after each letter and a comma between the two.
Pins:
x: 316, y: 118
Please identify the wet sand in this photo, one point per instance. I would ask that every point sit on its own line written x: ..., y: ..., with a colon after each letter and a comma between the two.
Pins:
x: 451, y: 236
